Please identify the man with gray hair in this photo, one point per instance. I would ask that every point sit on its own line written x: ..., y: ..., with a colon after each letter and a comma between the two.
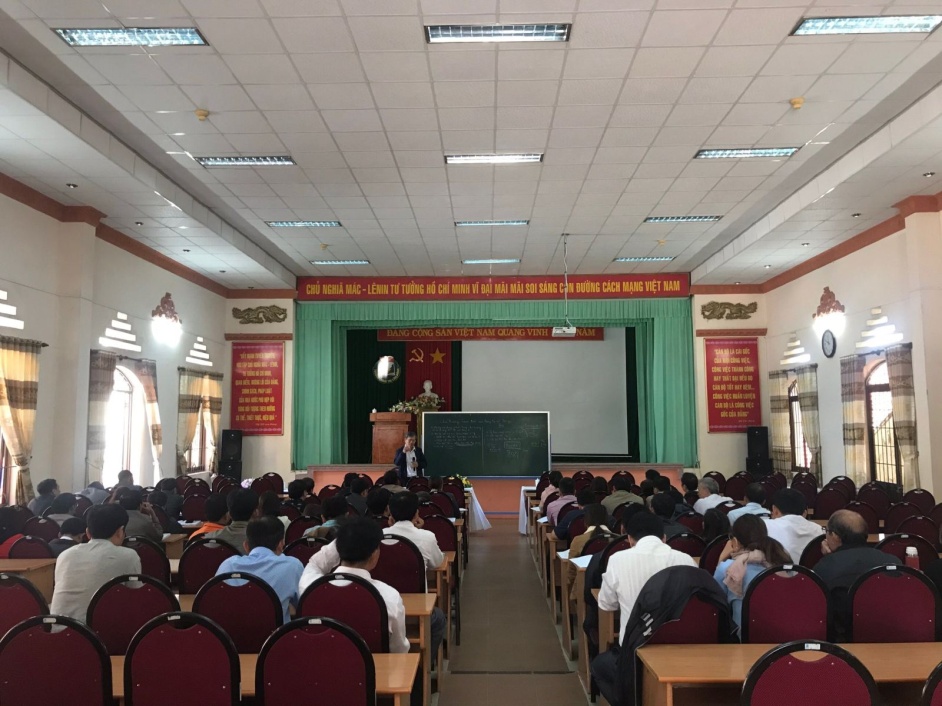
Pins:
x: 710, y: 497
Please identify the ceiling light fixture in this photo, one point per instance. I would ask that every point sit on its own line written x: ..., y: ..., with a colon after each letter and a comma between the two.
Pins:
x: 132, y: 37
x: 737, y: 282
x: 895, y: 24
x: 804, y: 245
x: 276, y: 161
x: 642, y: 259
x: 493, y: 158
x: 71, y: 185
x: 856, y: 215
x: 324, y: 263
x: 463, y: 224
x: 746, y: 153
x: 443, y: 34
x: 138, y: 223
x: 493, y: 261
x: 682, y: 219
x: 928, y: 175
x: 767, y: 267
x: 303, y: 224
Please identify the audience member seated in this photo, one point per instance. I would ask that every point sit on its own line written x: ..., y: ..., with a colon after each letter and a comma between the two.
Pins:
x: 715, y: 524
x: 357, y: 497
x: 8, y: 535
x: 159, y: 498
x: 846, y: 558
x: 755, y: 494
x: 553, y: 487
x: 662, y: 505
x: 599, y: 486
x: 596, y: 519
x: 567, y: 490
x: 71, y: 533
x: 347, y: 483
x: 391, y: 481
x: 126, y: 480
x: 377, y: 504
x: 46, y: 492
x: 788, y: 524
x: 85, y: 568
x: 263, y: 547
x: 749, y: 552
x: 142, y: 522
x: 625, y: 576
x: 621, y: 494
x: 242, y: 504
x: 269, y: 505
x: 216, y: 511
x: 584, y: 497
x: 689, y: 482
x: 62, y: 508
x: 308, y: 483
x: 647, y: 491
x: 297, y: 494
x: 710, y: 496
x: 174, y: 504
x: 358, y: 542
x: 334, y: 514
x: 662, y: 484
x: 437, y: 484
x: 95, y: 492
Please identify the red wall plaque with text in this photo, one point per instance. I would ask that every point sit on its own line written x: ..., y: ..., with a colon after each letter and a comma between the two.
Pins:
x: 258, y: 380
x: 732, y: 380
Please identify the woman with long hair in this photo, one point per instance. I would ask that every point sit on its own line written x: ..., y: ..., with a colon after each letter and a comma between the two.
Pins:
x: 715, y: 524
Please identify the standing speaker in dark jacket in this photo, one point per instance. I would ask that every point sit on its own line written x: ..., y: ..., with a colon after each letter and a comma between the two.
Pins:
x: 410, y: 460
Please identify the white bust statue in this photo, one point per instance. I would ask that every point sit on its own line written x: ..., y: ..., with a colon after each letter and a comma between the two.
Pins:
x: 428, y: 394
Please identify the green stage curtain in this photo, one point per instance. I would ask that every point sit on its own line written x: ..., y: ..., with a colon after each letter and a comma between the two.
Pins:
x: 664, y: 333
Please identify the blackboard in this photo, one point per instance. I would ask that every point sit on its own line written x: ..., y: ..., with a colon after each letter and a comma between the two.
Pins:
x: 486, y: 443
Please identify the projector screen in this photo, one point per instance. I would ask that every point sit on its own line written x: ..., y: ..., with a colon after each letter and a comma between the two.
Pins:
x: 580, y: 383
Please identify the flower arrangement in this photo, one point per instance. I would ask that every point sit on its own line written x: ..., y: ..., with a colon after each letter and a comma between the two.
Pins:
x: 419, y: 404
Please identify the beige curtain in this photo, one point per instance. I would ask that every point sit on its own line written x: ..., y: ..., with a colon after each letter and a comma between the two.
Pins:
x: 899, y: 363
x: 100, y: 385
x: 810, y: 425
x: 19, y: 389
x: 189, y: 402
x: 212, y: 406
x: 853, y: 398
x: 781, y: 431
x: 146, y: 372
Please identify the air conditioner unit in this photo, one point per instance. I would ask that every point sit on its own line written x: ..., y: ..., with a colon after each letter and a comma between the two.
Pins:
x: 564, y: 332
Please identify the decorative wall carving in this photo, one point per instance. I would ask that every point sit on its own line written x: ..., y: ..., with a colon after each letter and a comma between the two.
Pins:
x: 728, y: 310
x: 166, y: 309
x: 828, y: 305
x: 260, y: 314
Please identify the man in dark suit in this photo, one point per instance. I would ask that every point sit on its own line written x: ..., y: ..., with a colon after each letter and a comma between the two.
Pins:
x: 410, y: 460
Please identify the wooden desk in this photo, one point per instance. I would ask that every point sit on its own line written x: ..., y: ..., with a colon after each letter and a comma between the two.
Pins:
x: 173, y: 545
x: 553, y: 546
x: 395, y: 674
x: 174, y: 569
x: 440, y: 578
x: 584, y: 675
x: 567, y: 606
x: 608, y: 633
x: 39, y: 572
x: 667, y: 666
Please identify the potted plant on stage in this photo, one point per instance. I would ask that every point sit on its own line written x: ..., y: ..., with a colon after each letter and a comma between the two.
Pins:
x: 428, y: 401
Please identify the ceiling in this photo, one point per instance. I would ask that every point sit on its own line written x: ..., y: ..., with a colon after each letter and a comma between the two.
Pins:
x: 351, y: 90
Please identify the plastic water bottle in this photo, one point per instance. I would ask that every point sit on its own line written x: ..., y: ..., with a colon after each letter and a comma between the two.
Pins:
x: 912, y: 558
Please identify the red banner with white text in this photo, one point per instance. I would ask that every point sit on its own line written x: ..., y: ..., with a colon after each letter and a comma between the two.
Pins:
x: 732, y: 379
x: 503, y: 333
x: 258, y: 379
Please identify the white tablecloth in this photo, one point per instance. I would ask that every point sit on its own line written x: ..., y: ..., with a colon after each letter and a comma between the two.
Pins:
x: 524, y: 508
x: 477, y: 520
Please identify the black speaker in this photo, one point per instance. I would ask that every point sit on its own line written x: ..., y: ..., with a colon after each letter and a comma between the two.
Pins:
x: 757, y: 440
x: 231, y: 445
x: 231, y: 469
x: 759, y: 467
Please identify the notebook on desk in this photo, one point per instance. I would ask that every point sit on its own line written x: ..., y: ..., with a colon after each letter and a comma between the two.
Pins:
x: 581, y: 561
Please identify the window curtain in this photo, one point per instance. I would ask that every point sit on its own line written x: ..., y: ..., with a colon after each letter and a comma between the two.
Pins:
x: 189, y: 402
x: 19, y: 390
x: 899, y: 362
x: 100, y: 385
x: 810, y: 424
x: 146, y: 372
x: 853, y: 398
x: 211, y: 404
x: 780, y: 427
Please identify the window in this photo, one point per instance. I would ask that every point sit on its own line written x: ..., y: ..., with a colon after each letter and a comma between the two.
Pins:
x: 127, y: 441
x: 203, y: 449
x: 801, y: 454
x: 885, y: 463
x: 6, y: 474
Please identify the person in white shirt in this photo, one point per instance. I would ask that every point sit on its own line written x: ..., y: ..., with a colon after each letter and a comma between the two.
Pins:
x: 755, y: 494
x: 788, y: 524
x: 83, y: 569
x: 710, y: 497
x: 357, y: 544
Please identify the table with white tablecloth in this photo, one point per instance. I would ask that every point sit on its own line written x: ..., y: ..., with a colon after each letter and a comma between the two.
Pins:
x: 523, y: 519
x: 477, y: 520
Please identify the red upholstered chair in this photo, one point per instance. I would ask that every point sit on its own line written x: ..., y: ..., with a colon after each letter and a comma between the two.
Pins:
x: 710, y: 558
x: 779, y: 479
x: 444, y: 530
x: 577, y: 526
x: 689, y: 544
x: 304, y: 548
x: 182, y: 659
x: 329, y: 491
x: 812, y: 553
x: 194, y: 490
x: 42, y: 528
x: 936, y: 514
x: 578, y: 475
x: 829, y: 501
x: 427, y: 510
x: 364, y: 476
x: 289, y: 511
x: 82, y: 503
x: 30, y: 548
x: 785, y: 603
x: 246, y: 607
x: 736, y: 488
x: 597, y: 544
x: 779, y: 678
x: 297, y: 528
x: 565, y: 510
x: 200, y: 561
x: 124, y: 605
x: 418, y: 483
x: 805, y: 477
x: 893, y: 604
x: 182, y: 482
x: 728, y: 506
x: 618, y: 544
x: 699, y: 624
x: 352, y: 601
x: 719, y: 478
x: 925, y: 527
x: 549, y: 498
x: 876, y: 497
x: 445, y: 504
x: 580, y: 483
x: 896, y: 544
x: 19, y: 600
x: 808, y: 491
x: 400, y: 565
x: 542, y: 484
x: 624, y: 474
x: 868, y: 512
x: 154, y: 562
x: 343, y: 675
x: 218, y: 481
x: 456, y: 490
x: 82, y: 673
x: 226, y: 488
x: 692, y: 521
x: 276, y: 482
x: 261, y: 485
x: 847, y: 484
x: 932, y: 691
x: 194, y: 508
x: 18, y: 518
x: 691, y: 497
x: 920, y: 498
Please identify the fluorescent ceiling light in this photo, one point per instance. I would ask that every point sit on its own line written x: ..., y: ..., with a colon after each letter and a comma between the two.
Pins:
x: 132, y: 37
x: 494, y: 261
x: 441, y: 34
x: 303, y: 224
x: 462, y: 224
x: 280, y: 161
x: 681, y: 219
x: 320, y: 263
x: 894, y: 24
x: 746, y: 153
x: 493, y: 158
x: 642, y: 259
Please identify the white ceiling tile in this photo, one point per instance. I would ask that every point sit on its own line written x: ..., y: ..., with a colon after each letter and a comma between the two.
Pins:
x: 257, y: 143
x: 352, y: 120
x: 403, y: 95
x: 341, y: 96
x: 683, y: 135
x: 260, y: 68
x: 418, y: 140
x: 409, y: 119
x: 575, y: 137
x: 240, y: 36
x: 682, y: 28
x: 864, y: 58
x: 286, y: 97
x: 803, y: 58
x: 129, y: 69
x: 329, y: 67
x: 647, y: 90
x: 466, y: 118
x: 714, y: 90
x: 526, y: 93
x: 382, y: 159
x: 454, y: 94
x: 245, y: 121
x: 395, y: 66
x: 597, y: 63
x: 190, y: 69
x: 768, y: 89
x: 323, y: 34
x: 461, y: 141
x: 387, y: 33
x: 561, y: 155
x: 520, y: 140
x: 153, y: 98
x: 524, y: 118
x: 841, y: 87
x: 380, y: 7
x: 589, y: 92
x: 695, y: 114
x: 295, y: 120
x: 737, y: 136
x: 419, y: 158
x: 463, y: 65
x: 301, y: 8
x: 734, y: 61
x: 219, y: 98
x: 608, y: 29
x: 582, y: 116
x: 765, y: 26
x: 532, y: 65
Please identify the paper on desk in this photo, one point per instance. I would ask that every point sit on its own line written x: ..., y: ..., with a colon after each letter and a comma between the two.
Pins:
x: 563, y: 555
x: 543, y: 520
x: 581, y: 561
x: 528, y: 487
x: 165, y: 537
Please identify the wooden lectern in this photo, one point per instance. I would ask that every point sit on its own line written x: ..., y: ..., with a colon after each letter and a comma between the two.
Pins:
x: 389, y: 429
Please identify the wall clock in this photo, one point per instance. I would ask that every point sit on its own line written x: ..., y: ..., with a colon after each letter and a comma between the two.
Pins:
x: 828, y: 344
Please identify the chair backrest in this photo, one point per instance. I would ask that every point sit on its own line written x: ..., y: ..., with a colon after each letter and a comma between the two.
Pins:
x: 812, y: 553
x: 445, y: 504
x: 549, y: 498
x: 400, y: 565
x: 154, y: 562
x: 304, y: 548
x: 30, y: 650
x: 936, y: 514
x: 565, y: 510
x: 542, y: 484
x: 580, y: 483
x: 876, y: 497
x: 692, y: 521
x: 698, y: 624
x: 345, y: 674
x: 30, y: 548
x: 82, y: 503
x: 290, y: 511
x: 728, y: 506
x: 785, y: 603
x: 261, y: 485
x: 194, y: 508
x: 893, y: 604
x: 868, y: 512
x: 182, y: 482
x: 622, y: 474
x: 329, y: 491
x: 619, y: 544
x: 444, y: 530
x: 719, y: 478
x: 932, y: 690
x: 123, y: 605
x: 736, y: 488
x: 577, y: 526
x: 19, y: 600
x: 352, y: 601
x: 808, y: 491
x: 689, y: 544
x: 805, y: 477
x: 297, y: 527
x: 710, y: 558
x: 896, y: 544
x: 582, y: 474
x: 427, y: 510
x: 42, y: 528
x: 835, y: 677
x: 691, y: 497
x: 194, y: 490
x: 456, y: 489
x: 597, y: 544
x: 183, y: 659
x: 920, y: 498
x: 219, y: 481
x: 925, y: 527
x: 829, y: 501
x: 846, y: 483
x: 779, y: 479
x: 418, y: 483
x: 897, y: 513
x: 246, y: 607
x: 276, y: 482
x: 199, y: 563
